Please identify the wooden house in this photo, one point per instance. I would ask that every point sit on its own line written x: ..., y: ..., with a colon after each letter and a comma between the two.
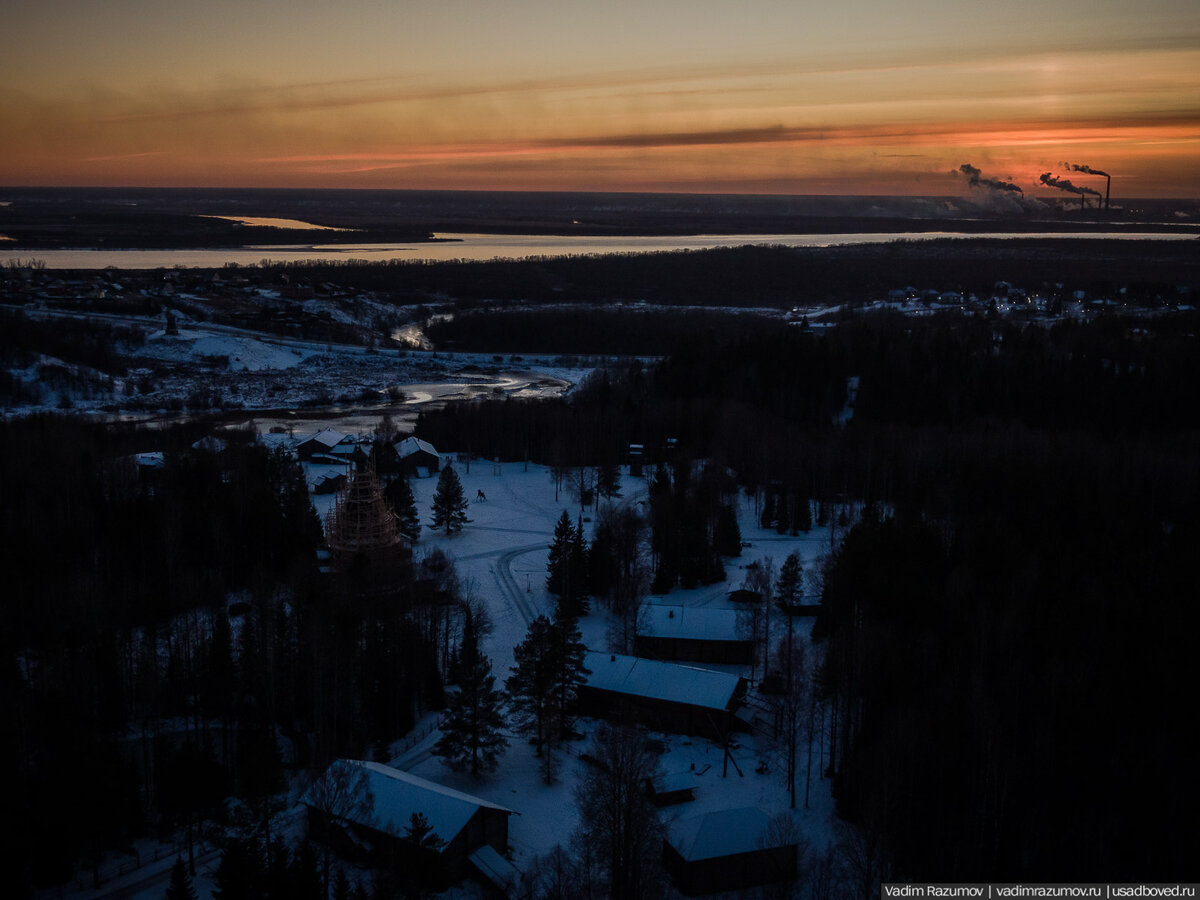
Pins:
x: 670, y: 696
x: 417, y: 457
x: 727, y: 850
x: 320, y: 444
x: 377, y: 830
x: 692, y: 634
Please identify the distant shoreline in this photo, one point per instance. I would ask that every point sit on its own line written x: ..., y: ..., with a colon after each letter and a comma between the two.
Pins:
x: 184, y: 219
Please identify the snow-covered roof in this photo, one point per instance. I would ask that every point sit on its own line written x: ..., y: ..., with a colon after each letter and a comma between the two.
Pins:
x: 396, y: 795
x: 411, y: 445
x: 326, y: 437
x: 725, y: 832
x: 658, y: 680
x: 701, y: 623
x: 210, y: 444
x: 676, y: 781
x: 315, y: 473
x: 495, y: 868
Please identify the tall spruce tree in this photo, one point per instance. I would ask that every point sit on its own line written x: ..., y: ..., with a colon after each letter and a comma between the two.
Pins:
x: 449, y: 504
x: 608, y: 481
x: 802, y: 516
x: 788, y: 587
x: 577, y: 581
x: 531, y: 690
x: 558, y: 567
x: 472, y: 739
x: 180, y: 887
x: 400, y: 497
x: 727, y: 536
x: 570, y: 673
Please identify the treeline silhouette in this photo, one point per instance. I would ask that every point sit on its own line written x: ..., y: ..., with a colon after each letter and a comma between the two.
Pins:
x: 1151, y: 272
x: 97, y: 344
x: 1007, y: 630
x: 636, y: 332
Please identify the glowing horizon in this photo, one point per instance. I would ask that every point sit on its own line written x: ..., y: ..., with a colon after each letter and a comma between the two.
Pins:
x: 767, y: 98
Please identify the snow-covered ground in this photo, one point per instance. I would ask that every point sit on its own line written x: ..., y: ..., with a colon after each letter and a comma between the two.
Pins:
x: 501, y: 555
x: 210, y: 367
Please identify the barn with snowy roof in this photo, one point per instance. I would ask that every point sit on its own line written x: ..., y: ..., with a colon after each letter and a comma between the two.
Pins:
x: 378, y: 829
x: 674, y: 697
x: 320, y: 444
x: 417, y: 457
x: 727, y: 850
x: 695, y: 634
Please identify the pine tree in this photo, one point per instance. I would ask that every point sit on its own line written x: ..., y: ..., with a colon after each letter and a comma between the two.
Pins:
x: 471, y: 735
x: 727, y: 537
x: 303, y: 878
x: 180, y: 887
x: 419, y: 832
x: 558, y: 567
x: 578, y: 571
x: 400, y: 497
x: 239, y: 875
x: 449, y: 504
x: 530, y: 687
x: 568, y: 655
x: 802, y: 519
x: 788, y: 586
x: 341, y: 886
x: 769, y: 511
x: 608, y: 481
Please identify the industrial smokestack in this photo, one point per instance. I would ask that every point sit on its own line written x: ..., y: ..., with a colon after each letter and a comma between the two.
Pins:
x: 1088, y: 170
x: 1063, y: 185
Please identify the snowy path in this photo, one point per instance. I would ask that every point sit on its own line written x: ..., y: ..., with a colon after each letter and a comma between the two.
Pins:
x: 502, y: 570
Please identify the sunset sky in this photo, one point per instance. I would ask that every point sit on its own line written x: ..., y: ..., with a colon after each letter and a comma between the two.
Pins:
x: 858, y: 97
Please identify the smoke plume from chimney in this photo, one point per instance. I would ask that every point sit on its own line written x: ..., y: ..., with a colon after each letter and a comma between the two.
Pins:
x: 1063, y: 185
x: 1088, y: 170
x: 975, y: 179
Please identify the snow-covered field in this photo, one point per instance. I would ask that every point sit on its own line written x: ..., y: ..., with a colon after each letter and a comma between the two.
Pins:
x: 209, y: 367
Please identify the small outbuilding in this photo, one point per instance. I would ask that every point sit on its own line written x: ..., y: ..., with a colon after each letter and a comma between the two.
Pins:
x: 804, y: 607
x: 744, y: 595
x: 670, y: 696
x: 727, y: 850
x: 668, y: 790
x: 377, y: 829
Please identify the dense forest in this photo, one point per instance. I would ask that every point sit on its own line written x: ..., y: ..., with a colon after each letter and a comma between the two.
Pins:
x: 627, y: 332
x: 781, y: 277
x: 169, y: 640
x: 1005, y: 630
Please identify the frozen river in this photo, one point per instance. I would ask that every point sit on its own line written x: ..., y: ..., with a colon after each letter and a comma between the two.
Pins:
x: 516, y: 246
